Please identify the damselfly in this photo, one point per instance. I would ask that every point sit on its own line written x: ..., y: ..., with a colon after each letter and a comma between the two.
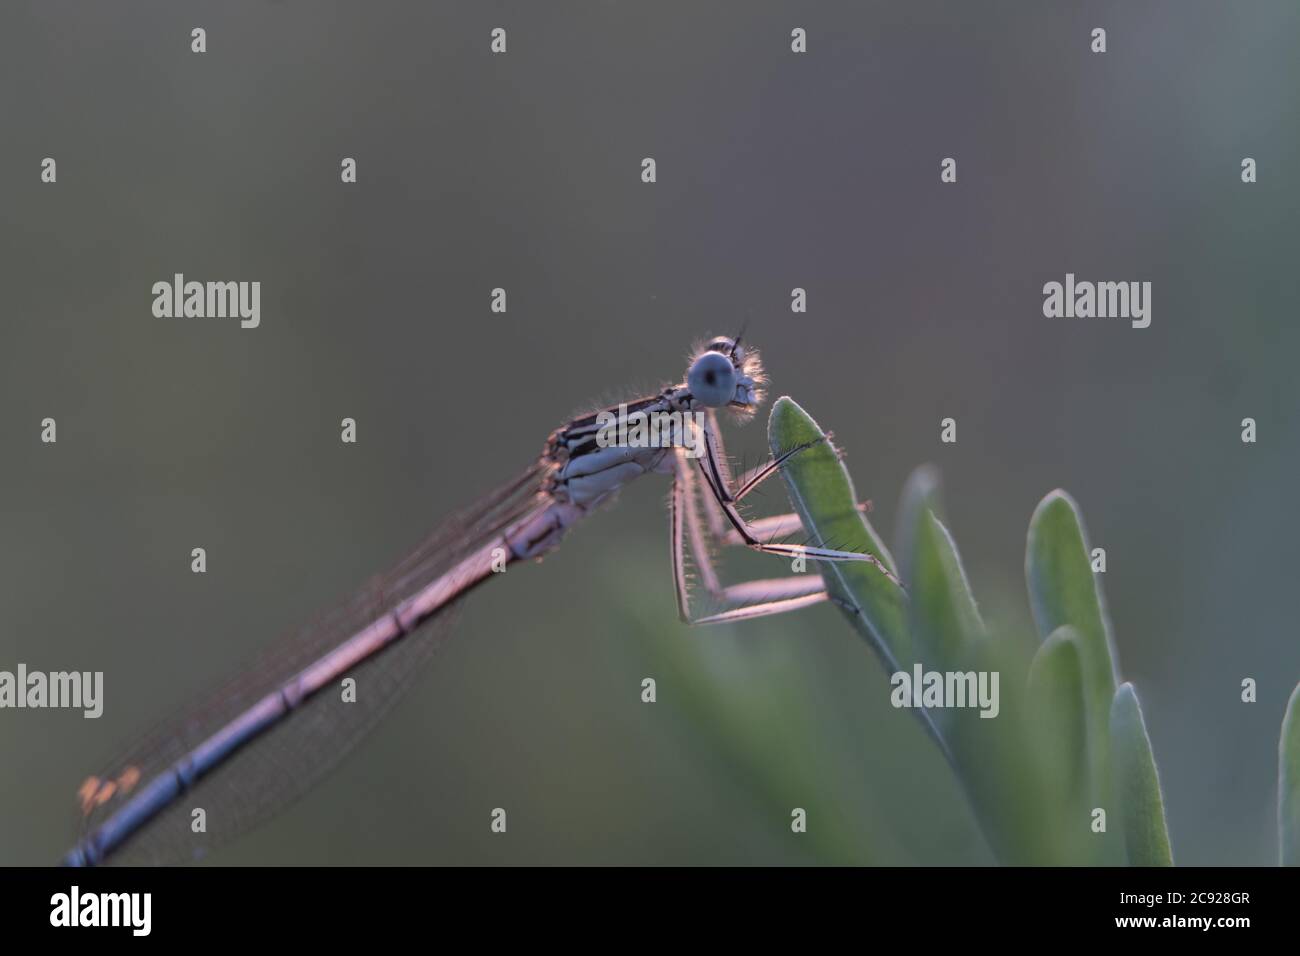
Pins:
x: 262, y: 738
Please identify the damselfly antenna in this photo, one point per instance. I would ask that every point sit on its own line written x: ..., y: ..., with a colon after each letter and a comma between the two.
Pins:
x: 735, y: 342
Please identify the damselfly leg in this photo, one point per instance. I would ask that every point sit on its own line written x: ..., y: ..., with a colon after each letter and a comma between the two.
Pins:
x: 768, y: 528
x: 714, y: 492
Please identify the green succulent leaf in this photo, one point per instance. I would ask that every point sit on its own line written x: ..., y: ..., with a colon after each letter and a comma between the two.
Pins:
x: 823, y: 495
x: 1288, y: 783
x: 946, y: 621
x: 920, y: 494
x: 1056, y: 706
x: 1136, y: 784
x: 1032, y: 773
x: 881, y: 611
x: 1063, y: 590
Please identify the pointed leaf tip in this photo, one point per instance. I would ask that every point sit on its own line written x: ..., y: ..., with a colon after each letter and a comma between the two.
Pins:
x: 1064, y: 591
x: 1136, y: 784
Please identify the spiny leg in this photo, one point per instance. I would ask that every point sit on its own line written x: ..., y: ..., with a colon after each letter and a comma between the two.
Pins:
x: 742, y: 601
x: 711, y: 423
x: 755, y: 477
x: 686, y: 521
x: 712, y: 472
x: 769, y: 528
x: 752, y: 478
x: 764, y: 609
x: 751, y: 599
x: 775, y: 526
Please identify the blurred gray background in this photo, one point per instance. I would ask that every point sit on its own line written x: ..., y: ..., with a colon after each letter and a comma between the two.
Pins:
x: 522, y: 171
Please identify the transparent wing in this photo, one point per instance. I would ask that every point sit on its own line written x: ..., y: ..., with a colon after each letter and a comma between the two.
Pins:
x: 271, y: 771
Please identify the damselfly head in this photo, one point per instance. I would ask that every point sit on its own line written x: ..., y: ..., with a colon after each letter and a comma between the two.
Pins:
x: 725, y: 374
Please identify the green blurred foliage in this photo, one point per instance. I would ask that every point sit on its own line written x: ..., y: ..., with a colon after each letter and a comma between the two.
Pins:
x: 1026, y: 782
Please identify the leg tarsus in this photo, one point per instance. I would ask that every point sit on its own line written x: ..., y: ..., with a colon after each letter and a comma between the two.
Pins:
x: 777, y: 526
x: 762, y: 610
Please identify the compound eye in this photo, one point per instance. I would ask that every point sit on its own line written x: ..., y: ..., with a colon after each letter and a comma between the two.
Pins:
x: 712, y: 379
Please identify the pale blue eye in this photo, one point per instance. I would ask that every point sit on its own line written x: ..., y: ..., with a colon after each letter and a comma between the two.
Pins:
x: 712, y: 379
